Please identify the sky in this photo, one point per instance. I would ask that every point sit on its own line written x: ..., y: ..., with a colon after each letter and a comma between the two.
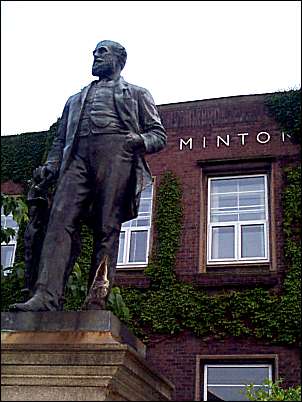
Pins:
x: 179, y: 50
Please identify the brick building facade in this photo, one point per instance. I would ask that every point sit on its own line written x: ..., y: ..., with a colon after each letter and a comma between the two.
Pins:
x: 226, y: 137
x: 231, y: 239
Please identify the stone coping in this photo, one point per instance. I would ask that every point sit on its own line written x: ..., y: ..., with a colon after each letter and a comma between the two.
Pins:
x: 98, y: 321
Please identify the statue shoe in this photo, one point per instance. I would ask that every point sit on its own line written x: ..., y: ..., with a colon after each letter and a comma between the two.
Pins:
x: 99, y: 305
x: 36, y: 303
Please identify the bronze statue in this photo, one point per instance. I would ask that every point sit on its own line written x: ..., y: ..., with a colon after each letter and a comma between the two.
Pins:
x: 98, y: 158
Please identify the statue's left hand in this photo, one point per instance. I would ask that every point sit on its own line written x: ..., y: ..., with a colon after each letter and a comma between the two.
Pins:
x: 134, y: 143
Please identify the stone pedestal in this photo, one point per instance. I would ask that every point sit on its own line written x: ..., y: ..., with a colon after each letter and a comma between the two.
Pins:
x: 75, y: 356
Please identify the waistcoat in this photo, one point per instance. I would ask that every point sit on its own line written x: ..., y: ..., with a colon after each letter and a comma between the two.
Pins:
x: 99, y: 114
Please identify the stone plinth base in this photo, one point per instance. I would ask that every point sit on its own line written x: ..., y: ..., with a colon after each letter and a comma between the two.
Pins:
x: 75, y: 356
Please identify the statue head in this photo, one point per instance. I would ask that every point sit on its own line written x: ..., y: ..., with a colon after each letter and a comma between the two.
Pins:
x: 109, y: 59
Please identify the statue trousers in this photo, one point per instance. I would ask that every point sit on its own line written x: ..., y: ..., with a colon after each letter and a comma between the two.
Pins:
x: 98, y: 175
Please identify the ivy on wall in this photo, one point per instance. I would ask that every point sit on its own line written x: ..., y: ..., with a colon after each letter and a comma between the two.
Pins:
x: 170, y: 307
x: 20, y: 155
x: 168, y: 214
x: 285, y: 108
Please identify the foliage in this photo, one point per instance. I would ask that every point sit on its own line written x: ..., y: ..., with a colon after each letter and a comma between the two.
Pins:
x: 18, y: 208
x: 170, y: 307
x: 117, y: 305
x: 12, y: 278
x: 273, y: 392
x: 20, y: 155
x: 285, y: 107
x: 168, y: 223
x: 12, y: 283
x: 289, y: 308
x: 76, y: 289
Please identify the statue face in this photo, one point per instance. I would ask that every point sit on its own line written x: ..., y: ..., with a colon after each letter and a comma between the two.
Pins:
x: 105, y: 61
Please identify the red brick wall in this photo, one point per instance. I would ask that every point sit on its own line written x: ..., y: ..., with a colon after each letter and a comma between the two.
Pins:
x: 175, y: 358
x: 11, y: 188
x: 212, y: 118
x: 209, y: 118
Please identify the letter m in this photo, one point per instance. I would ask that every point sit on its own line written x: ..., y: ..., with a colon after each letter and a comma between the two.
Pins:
x: 182, y: 143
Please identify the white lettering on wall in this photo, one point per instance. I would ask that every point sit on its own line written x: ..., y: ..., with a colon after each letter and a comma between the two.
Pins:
x: 242, y: 137
x: 263, y: 137
x: 283, y: 136
x: 227, y: 142
x: 185, y: 143
x: 262, y: 134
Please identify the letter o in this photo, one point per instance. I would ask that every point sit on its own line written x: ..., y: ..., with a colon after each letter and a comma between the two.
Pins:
x: 268, y: 137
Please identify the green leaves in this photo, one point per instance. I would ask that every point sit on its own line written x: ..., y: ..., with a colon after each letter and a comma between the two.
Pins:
x: 76, y: 288
x: 285, y: 107
x: 117, y: 305
x: 273, y: 392
x: 7, y: 234
x: 169, y: 306
x: 168, y: 224
x: 18, y: 208
x: 15, y: 205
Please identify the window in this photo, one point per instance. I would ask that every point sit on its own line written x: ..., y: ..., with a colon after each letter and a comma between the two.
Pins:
x: 8, y: 250
x: 226, y: 382
x: 238, y: 219
x: 135, y: 234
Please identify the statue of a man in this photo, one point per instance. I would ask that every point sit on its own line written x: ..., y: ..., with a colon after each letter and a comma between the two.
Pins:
x: 98, y: 158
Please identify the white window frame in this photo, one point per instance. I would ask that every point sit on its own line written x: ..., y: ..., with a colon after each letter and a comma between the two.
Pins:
x: 211, y: 365
x: 237, y: 227
x: 128, y: 230
x: 13, y: 240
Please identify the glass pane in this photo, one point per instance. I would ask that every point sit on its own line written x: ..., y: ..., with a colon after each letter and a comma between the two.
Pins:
x: 224, y: 201
x: 145, y: 205
x: 143, y: 222
x: 237, y: 375
x: 7, y: 255
x: 127, y: 224
x: 147, y: 193
x: 10, y: 222
x: 121, y: 248
x: 252, y: 241
x: 224, y: 186
x: 227, y: 394
x: 249, y: 199
x: 3, y: 221
x: 224, y: 217
x: 138, y: 246
x: 251, y: 183
x: 251, y: 216
x: 223, y: 242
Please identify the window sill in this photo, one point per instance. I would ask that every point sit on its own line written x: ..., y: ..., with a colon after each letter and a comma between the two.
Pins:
x: 129, y: 267
x: 240, y: 277
x: 241, y: 268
